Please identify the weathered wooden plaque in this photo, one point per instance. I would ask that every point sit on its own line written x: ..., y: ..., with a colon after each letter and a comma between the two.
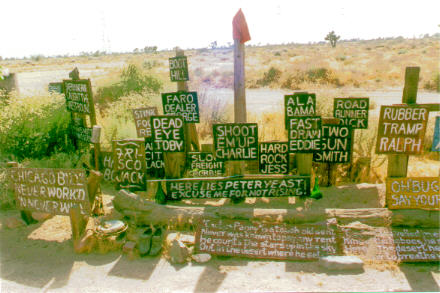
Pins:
x: 262, y: 240
x: 236, y: 141
x: 56, y: 87
x: 352, y: 112
x: 106, y: 163
x: 53, y: 191
x: 204, y: 164
x: 130, y: 164
x: 82, y: 133
x: 142, y: 120
x: 335, y: 144
x: 413, y: 193
x: 78, y: 96
x: 184, y: 104
x: 168, y: 133
x: 401, y: 130
x: 154, y: 160
x: 273, y: 158
x: 304, y: 134
x: 179, y: 68
x: 299, y: 104
x: 436, y: 137
x: 227, y: 187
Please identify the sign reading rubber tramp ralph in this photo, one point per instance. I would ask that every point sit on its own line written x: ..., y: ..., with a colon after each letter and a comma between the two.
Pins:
x: 182, y: 104
x: 298, y: 105
x: 335, y: 145
x: 168, y: 133
x: 53, y: 191
x: 142, y: 120
x: 236, y: 141
x: 352, y: 112
x: 413, y: 193
x: 179, y: 68
x: 267, y: 186
x: 401, y: 130
x: 274, y: 158
x: 77, y: 94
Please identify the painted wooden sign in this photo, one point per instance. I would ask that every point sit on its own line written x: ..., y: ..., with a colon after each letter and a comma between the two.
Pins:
x: 352, y: 112
x: 335, y: 144
x: 168, y: 133
x: 129, y: 162
x: 236, y: 141
x: 299, y: 104
x: 53, y: 191
x: 179, y: 68
x: 204, y: 164
x: 154, y: 160
x: 142, y: 120
x: 77, y: 94
x: 56, y: 87
x: 273, y: 158
x: 106, y: 164
x: 413, y: 193
x: 304, y: 134
x: 401, y: 130
x: 398, y: 244
x: 82, y: 133
x: 263, y: 240
x: 184, y: 104
x: 436, y: 138
x: 263, y: 186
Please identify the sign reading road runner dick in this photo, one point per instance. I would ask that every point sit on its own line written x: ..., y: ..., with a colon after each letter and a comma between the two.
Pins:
x: 299, y: 104
x: 273, y: 158
x: 129, y: 162
x: 225, y: 187
x: 183, y: 104
x: 413, y: 193
x: 142, y: 120
x: 53, y: 191
x: 263, y: 240
x: 401, y: 130
x: 168, y: 133
x: 179, y: 68
x: 236, y: 141
x: 304, y: 134
x: 204, y: 164
x: 335, y: 145
x: 436, y: 139
x: 77, y: 94
x: 352, y: 112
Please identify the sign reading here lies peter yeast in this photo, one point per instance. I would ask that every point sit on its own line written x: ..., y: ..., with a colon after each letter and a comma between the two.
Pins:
x: 413, y: 193
x: 78, y: 94
x: 179, y: 68
x: 183, y: 104
x: 236, y: 141
x: 53, y: 191
x: 352, y: 112
x: 401, y: 129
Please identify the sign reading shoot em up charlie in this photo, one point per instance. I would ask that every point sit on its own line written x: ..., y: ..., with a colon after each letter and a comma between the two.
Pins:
x: 274, y: 158
x: 183, y: 104
x: 236, y: 141
x: 78, y: 94
x: 299, y: 105
x: 168, y: 133
x: 352, y: 112
x: 179, y: 68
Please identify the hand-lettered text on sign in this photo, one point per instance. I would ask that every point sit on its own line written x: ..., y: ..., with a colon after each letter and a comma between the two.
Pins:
x: 335, y: 144
x: 179, y: 68
x: 184, y: 104
x: 107, y: 161
x: 401, y: 130
x: 154, y: 160
x: 142, y: 120
x: 304, y: 134
x: 129, y: 161
x: 204, y: 164
x: 82, y: 133
x: 436, y: 138
x: 53, y: 191
x: 297, y: 105
x: 413, y: 193
x: 274, y: 158
x: 56, y: 87
x: 236, y: 141
x: 78, y: 96
x: 168, y: 133
x: 352, y: 112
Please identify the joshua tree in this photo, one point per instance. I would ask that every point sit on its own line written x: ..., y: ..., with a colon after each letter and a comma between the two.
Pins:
x: 332, y: 38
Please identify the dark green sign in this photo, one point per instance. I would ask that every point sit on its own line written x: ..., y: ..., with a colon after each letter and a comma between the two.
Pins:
x: 274, y: 158
x: 304, y: 134
x: 352, y: 112
x: 179, y: 69
x: 82, y: 133
x: 56, y: 87
x: 335, y: 144
x: 204, y: 164
x: 298, y: 105
x: 168, y: 133
x: 154, y: 160
x: 77, y: 94
x: 236, y: 141
x: 129, y: 162
x: 183, y: 104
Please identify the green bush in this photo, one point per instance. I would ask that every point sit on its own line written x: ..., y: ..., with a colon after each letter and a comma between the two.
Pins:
x: 270, y: 76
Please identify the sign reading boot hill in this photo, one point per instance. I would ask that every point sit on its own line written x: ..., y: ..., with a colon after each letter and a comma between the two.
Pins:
x: 204, y: 164
x: 168, y: 133
x: 436, y: 139
x: 299, y: 104
x: 77, y: 94
x: 129, y: 162
x: 335, y: 145
x: 268, y: 186
x: 262, y: 240
x: 142, y: 120
x: 352, y: 112
x: 236, y: 141
x: 413, y: 193
x: 304, y: 134
x: 154, y: 160
x: 179, y: 68
x: 53, y: 191
x: 183, y: 104
x: 274, y: 158
x: 401, y: 130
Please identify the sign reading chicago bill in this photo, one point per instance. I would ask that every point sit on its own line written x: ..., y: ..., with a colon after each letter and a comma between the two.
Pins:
x: 52, y: 191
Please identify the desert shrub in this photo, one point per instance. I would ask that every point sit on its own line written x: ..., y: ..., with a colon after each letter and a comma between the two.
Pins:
x: 433, y: 84
x: 269, y: 77
x: 35, y: 127
x: 212, y: 110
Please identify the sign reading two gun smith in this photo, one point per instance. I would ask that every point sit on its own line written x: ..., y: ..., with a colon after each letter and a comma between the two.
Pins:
x: 183, y: 104
x: 401, y: 130
x: 352, y: 112
x: 299, y: 105
x: 179, y: 68
x: 52, y: 191
x: 77, y: 94
x: 413, y: 193
x: 335, y: 145
x: 236, y: 141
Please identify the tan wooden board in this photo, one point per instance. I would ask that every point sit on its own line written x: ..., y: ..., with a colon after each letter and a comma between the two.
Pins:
x: 413, y: 193
x: 142, y: 120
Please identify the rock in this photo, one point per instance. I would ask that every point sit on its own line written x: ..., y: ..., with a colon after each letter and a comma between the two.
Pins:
x: 178, y: 252
x: 129, y: 247
x: 14, y: 222
x: 41, y: 216
x: 187, y: 239
x: 201, y: 257
x: 348, y: 262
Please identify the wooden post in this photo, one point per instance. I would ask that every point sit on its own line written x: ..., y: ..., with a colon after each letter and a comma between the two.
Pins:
x: 96, y: 145
x: 398, y: 164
